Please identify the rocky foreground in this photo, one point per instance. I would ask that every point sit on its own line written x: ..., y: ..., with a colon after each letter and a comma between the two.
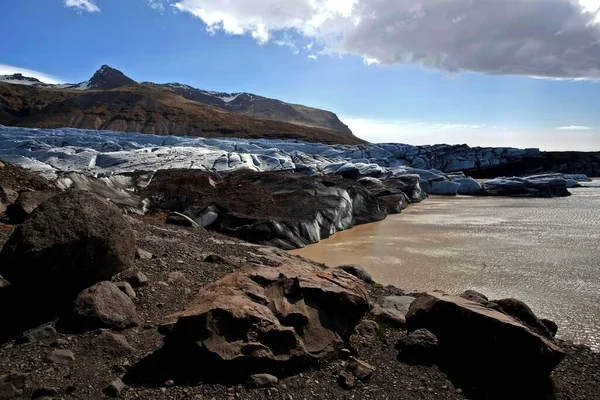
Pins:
x: 96, y: 304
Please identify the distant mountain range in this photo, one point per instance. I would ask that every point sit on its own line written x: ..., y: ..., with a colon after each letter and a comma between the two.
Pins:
x: 111, y: 100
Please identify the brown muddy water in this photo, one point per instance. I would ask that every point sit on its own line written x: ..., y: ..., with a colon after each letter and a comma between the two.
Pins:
x: 545, y: 252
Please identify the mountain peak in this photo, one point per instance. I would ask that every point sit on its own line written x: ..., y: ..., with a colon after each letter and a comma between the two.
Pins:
x: 109, y: 78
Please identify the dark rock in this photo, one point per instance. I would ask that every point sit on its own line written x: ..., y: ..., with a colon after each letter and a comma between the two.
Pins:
x: 368, y: 328
x: 471, y: 335
x: 176, y: 218
x: 115, y: 388
x: 475, y: 296
x: 519, y: 310
x: 25, y: 204
x: 41, y: 334
x: 112, y: 344
x: 103, y: 305
x: 393, y: 309
x: 60, y: 357
x: 18, y: 379
x: 135, y: 278
x: 8, y: 391
x: 266, y: 320
x: 44, y: 392
x: 551, y: 326
x: 261, y: 381
x: 418, y: 347
x: 216, y: 259
x: 360, y: 369
x: 357, y: 271
x: 126, y: 288
x: 346, y: 380
x: 70, y: 242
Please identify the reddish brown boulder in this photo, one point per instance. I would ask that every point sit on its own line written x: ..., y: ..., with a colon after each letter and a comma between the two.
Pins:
x: 483, y: 344
x: 268, y: 319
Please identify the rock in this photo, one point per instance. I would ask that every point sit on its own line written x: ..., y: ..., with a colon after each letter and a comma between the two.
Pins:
x: 418, y: 347
x: 267, y: 320
x: 551, y: 326
x: 360, y: 369
x: 216, y: 259
x: 17, y: 379
x: 41, y: 334
x: 126, y: 288
x: 468, y: 186
x: 357, y: 271
x: 112, y: 344
x: 346, y: 380
x: 475, y: 296
x: 70, y: 242
x: 25, y: 204
x: 523, y: 313
x: 393, y: 309
x: 177, y: 277
x: 103, y: 305
x: 60, y: 357
x: 135, y: 278
x: 261, y: 381
x: 143, y: 254
x: 115, y: 388
x: 368, y: 328
x: 553, y: 185
x: 8, y: 391
x: 44, y: 392
x: 175, y: 218
x: 471, y: 335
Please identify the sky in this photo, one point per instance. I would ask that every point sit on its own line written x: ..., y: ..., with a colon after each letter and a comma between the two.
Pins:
x: 521, y: 73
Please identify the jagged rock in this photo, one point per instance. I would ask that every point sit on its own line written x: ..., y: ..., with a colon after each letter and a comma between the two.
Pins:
x: 143, y: 254
x: 103, y: 305
x: 135, y: 278
x: 360, y: 369
x: 115, y: 388
x: 523, y: 313
x: 41, y: 334
x: 475, y: 296
x: 532, y: 186
x: 25, y: 204
x: 44, y: 392
x: 393, y: 309
x: 367, y: 328
x: 471, y: 335
x: 17, y: 379
x: 418, y: 347
x: 126, y: 288
x: 346, y: 380
x: 264, y: 320
x: 261, y: 380
x: 357, y: 271
x: 70, y: 242
x: 551, y: 326
x: 60, y: 357
x: 112, y: 344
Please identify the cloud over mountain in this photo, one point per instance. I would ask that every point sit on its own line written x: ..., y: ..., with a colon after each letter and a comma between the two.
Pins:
x: 542, y: 38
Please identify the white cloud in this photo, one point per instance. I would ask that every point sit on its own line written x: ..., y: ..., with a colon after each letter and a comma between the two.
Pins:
x: 421, y: 133
x: 575, y: 128
x: 9, y: 70
x: 82, y: 5
x: 156, y: 5
x: 312, y: 56
x: 541, y: 38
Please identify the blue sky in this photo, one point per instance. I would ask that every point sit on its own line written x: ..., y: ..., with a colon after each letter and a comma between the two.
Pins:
x: 393, y: 70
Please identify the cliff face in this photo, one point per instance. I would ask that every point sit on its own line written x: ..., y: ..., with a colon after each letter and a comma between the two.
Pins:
x: 146, y: 109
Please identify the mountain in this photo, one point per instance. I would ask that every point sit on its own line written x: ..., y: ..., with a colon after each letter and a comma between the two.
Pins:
x: 143, y: 108
x: 248, y: 104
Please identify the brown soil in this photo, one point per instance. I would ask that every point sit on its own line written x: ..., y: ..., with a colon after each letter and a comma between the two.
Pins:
x: 184, y: 250
x: 144, y: 108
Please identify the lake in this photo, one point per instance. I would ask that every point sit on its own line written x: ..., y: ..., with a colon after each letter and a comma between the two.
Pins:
x: 545, y: 252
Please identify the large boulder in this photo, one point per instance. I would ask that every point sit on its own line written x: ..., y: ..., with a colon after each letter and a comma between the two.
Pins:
x: 521, y: 311
x: 471, y: 335
x: 267, y: 320
x: 69, y: 243
x: 25, y: 204
x: 392, y: 309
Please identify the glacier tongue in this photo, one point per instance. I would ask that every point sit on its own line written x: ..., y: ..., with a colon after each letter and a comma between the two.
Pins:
x: 53, y: 152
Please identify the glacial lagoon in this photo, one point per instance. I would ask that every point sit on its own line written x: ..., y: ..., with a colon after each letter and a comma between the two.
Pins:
x: 545, y: 252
